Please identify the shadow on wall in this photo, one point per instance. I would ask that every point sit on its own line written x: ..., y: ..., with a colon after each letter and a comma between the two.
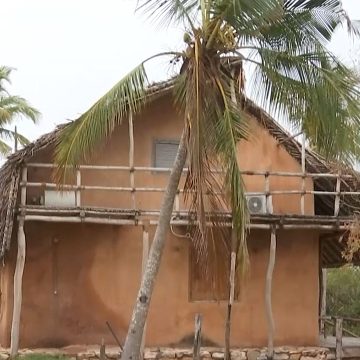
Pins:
x: 188, y: 341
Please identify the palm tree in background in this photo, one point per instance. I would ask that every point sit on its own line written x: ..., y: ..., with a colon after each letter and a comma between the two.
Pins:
x: 11, y: 107
x: 293, y: 75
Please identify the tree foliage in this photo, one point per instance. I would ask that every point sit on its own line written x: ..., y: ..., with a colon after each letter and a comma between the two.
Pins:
x: 11, y: 107
x: 343, y: 295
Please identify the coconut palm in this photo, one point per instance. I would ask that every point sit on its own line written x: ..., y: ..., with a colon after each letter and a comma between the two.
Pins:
x: 283, y: 43
x: 11, y: 107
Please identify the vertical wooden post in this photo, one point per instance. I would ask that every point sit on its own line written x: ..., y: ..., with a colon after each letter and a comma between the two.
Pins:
x: 339, y: 334
x: 303, y: 170
x: 102, y: 354
x: 19, y: 270
x: 232, y: 277
x: 145, y: 255
x: 177, y: 202
x: 78, y: 184
x: 268, y: 293
x: 337, y: 196
x: 23, y: 188
x: 323, y: 301
x: 197, y: 337
x: 131, y: 159
x: 267, y: 193
x: 15, y: 139
x: 231, y: 293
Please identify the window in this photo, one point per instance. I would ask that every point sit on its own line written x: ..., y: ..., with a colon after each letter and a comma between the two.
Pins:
x: 165, y: 153
x: 209, y: 280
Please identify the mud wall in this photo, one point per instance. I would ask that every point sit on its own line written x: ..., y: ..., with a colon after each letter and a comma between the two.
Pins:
x: 77, y: 277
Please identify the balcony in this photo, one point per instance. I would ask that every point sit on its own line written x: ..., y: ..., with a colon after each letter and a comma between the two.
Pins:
x: 132, y: 196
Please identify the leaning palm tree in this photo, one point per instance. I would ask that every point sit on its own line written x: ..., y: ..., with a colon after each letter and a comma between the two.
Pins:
x: 11, y: 107
x: 283, y: 43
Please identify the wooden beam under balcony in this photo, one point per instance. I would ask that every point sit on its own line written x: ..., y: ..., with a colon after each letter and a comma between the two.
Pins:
x: 182, y: 218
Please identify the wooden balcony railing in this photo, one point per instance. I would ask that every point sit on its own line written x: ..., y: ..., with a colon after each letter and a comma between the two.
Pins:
x: 78, y: 186
x: 332, y: 327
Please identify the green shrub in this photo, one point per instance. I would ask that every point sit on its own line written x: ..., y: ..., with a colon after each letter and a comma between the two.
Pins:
x: 343, y: 295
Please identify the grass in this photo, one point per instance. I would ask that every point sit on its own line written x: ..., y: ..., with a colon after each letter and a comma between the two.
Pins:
x: 42, y: 357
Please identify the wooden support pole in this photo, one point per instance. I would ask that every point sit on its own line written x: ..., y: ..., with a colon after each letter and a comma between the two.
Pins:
x: 145, y: 255
x: 102, y: 354
x: 131, y: 159
x: 145, y: 246
x: 197, y: 337
x: 19, y: 270
x: 269, y: 208
x: 323, y: 301
x: 231, y: 293
x: 339, y: 335
x: 268, y: 293
x: 177, y: 202
x: 337, y: 196
x: 15, y: 139
x: 23, y: 188
x: 232, y: 277
x: 303, y: 170
x: 78, y: 186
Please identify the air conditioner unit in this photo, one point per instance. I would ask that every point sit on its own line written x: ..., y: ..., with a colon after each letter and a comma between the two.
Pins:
x: 257, y: 204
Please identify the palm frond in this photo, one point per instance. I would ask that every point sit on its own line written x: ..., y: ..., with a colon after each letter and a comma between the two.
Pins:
x: 5, y: 72
x: 315, y: 93
x: 171, y: 11
x: 230, y: 130
x: 11, y: 106
x: 79, y: 139
x: 5, y: 149
x: 5, y: 116
x: 299, y: 24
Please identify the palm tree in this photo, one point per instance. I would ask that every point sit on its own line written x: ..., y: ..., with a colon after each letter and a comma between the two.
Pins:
x: 293, y: 75
x: 11, y: 107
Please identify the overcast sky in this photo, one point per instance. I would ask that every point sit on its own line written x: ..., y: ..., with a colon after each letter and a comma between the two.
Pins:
x: 67, y: 53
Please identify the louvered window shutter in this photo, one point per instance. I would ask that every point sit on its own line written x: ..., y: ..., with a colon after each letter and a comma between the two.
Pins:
x: 165, y: 153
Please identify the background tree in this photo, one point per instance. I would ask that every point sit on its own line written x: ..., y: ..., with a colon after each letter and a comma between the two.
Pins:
x: 343, y: 294
x: 12, y: 107
x: 294, y: 75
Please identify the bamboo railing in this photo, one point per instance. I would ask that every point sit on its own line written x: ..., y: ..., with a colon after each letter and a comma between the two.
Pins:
x: 78, y: 186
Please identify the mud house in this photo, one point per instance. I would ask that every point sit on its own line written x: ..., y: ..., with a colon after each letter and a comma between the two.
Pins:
x: 85, y: 248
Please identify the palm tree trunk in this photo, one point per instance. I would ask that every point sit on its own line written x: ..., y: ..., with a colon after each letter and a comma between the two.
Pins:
x: 134, y: 336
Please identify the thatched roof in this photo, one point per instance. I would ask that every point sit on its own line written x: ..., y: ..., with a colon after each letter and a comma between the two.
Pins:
x: 10, y: 172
